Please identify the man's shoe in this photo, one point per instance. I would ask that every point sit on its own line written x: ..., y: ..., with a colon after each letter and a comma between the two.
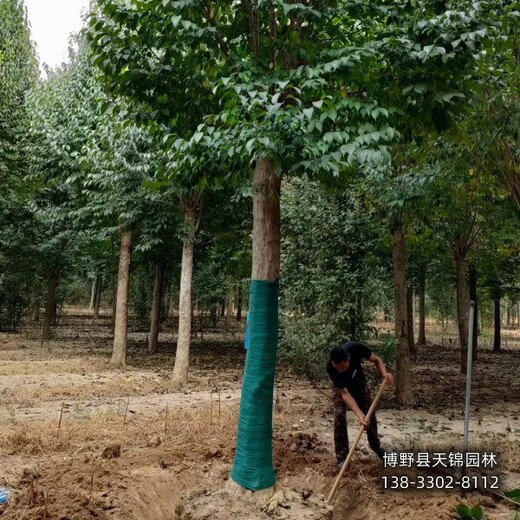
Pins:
x: 340, y: 464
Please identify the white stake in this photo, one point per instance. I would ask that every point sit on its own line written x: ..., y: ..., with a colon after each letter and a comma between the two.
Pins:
x: 469, y: 373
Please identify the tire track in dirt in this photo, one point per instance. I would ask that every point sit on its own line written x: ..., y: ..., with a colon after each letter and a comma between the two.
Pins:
x: 144, y: 405
x: 140, y: 404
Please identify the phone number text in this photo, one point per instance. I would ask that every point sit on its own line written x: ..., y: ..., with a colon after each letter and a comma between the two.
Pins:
x: 439, y: 482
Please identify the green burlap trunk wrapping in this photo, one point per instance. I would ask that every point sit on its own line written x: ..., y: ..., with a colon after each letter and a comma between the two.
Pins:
x: 253, y: 465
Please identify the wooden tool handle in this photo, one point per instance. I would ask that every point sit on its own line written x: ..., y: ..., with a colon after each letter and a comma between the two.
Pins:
x: 360, y: 433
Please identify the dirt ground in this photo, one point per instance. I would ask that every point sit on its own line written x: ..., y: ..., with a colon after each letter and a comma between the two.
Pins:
x: 79, y: 440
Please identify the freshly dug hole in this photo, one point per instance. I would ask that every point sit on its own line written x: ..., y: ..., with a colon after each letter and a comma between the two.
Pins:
x: 234, y: 503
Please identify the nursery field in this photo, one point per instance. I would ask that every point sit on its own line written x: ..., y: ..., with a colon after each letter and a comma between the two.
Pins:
x: 80, y: 440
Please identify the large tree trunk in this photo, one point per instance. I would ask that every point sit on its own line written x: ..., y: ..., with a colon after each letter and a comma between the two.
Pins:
x: 497, y: 335
x: 462, y: 286
x: 239, y: 304
x: 182, y: 356
x: 403, y: 381
x: 50, y: 306
x: 253, y: 464
x: 155, y: 318
x: 410, y: 320
x: 121, y: 314
x: 473, y: 296
x: 422, y: 312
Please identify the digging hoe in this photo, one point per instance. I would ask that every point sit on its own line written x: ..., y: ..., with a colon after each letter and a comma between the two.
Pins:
x: 360, y: 433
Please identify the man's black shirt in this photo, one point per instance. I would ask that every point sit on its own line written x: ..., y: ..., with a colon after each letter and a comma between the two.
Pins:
x: 353, y: 379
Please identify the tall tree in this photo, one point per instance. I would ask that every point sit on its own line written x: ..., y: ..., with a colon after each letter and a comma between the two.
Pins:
x: 270, y: 90
x: 18, y: 251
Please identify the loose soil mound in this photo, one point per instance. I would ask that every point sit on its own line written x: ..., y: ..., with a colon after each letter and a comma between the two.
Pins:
x: 234, y: 503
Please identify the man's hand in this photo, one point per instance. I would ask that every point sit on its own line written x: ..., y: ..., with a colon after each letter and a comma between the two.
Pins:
x: 363, y: 420
x: 389, y: 378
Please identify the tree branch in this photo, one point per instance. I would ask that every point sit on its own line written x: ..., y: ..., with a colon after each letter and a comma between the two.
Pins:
x: 221, y: 42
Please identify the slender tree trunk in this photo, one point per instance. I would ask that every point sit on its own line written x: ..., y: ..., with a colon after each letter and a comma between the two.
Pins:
x: 36, y: 312
x: 50, y: 306
x: 353, y: 325
x: 182, y: 356
x: 54, y: 312
x: 253, y: 465
x: 113, y: 258
x: 239, y: 304
x: 201, y: 324
x: 403, y: 381
x: 359, y: 311
x: 229, y: 308
x: 473, y: 296
x: 214, y: 315
x: 114, y: 302
x: 193, y: 319
x: 462, y: 286
x: 410, y: 320
x: 121, y: 314
x: 497, y: 340
x: 93, y: 293
x: 422, y: 312
x: 97, y: 301
x: 508, y: 315
x: 165, y: 298
x: 155, y: 318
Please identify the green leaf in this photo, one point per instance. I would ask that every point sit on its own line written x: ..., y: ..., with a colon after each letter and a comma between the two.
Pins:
x: 463, y: 511
x: 513, y: 495
x: 450, y: 95
x: 308, y: 112
x: 477, y: 513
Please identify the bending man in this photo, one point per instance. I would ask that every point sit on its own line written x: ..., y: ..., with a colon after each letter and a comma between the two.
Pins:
x: 350, y: 390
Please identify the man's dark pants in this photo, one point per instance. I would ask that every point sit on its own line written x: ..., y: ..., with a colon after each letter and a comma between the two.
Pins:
x: 363, y: 400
